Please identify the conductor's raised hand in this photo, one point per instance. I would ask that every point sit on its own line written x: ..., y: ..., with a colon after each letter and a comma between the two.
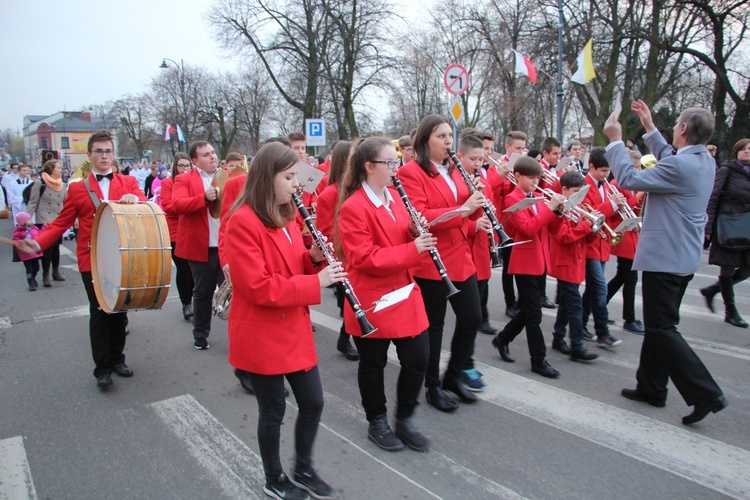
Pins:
x: 644, y: 113
x: 332, y: 274
x: 612, y: 128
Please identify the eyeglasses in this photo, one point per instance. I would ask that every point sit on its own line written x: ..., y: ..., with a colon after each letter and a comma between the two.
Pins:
x: 102, y: 152
x: 388, y: 163
x: 184, y: 165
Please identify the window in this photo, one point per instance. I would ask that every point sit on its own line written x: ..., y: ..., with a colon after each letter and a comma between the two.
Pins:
x: 45, y: 143
x: 65, y: 144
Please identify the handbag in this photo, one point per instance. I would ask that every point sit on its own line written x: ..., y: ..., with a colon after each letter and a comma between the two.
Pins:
x: 733, y: 230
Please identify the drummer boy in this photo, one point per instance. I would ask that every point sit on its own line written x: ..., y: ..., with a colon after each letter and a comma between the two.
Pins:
x: 107, y: 331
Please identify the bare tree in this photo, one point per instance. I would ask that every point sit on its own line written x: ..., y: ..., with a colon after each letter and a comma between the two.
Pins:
x: 134, y: 115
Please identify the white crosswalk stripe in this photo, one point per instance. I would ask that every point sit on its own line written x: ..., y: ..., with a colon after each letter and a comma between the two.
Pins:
x: 15, y: 474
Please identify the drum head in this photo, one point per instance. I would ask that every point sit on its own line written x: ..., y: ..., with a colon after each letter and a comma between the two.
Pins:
x: 106, y: 257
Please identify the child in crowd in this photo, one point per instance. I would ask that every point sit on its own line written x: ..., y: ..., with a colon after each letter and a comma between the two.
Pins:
x: 26, y: 229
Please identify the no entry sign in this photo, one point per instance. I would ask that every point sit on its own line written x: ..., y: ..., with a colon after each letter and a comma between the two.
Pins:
x: 456, y: 79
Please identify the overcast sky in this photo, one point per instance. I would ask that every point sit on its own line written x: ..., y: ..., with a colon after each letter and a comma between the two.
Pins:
x: 62, y: 54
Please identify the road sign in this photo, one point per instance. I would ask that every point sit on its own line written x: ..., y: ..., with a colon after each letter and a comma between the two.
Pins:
x: 315, y: 130
x: 457, y: 110
x: 456, y: 79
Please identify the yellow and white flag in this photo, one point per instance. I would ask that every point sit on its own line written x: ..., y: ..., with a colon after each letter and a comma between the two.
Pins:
x: 585, y: 71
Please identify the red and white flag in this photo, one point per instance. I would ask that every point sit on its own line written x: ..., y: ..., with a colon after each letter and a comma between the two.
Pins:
x: 168, y: 133
x: 525, y: 66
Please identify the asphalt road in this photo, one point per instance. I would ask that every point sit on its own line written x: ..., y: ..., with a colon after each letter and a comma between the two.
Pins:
x: 182, y: 427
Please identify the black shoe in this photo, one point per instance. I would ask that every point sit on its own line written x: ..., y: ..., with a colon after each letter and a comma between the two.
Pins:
x: 187, y: 311
x: 488, y: 329
x: 409, y: 434
x: 709, y: 293
x: 244, y: 379
x: 548, y: 304
x: 701, y: 410
x: 511, y: 311
x: 582, y: 354
x: 634, y: 327
x: 36, y: 283
x: 201, y: 343
x: 104, y: 381
x: 635, y: 395
x: 283, y: 489
x: 454, y: 385
x: 733, y: 317
x: 502, y: 348
x: 560, y: 345
x: 587, y: 335
x: 345, y: 347
x: 380, y: 433
x: 32, y: 285
x: 545, y: 370
x: 123, y: 370
x: 312, y: 484
x: 437, y: 398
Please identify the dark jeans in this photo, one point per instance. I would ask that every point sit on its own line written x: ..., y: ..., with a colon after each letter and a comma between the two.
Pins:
x: 206, y: 277
x: 51, y: 257
x: 529, y: 316
x: 626, y: 279
x: 465, y: 305
x: 32, y: 267
x: 106, y: 331
x: 595, y: 296
x: 569, y: 313
x: 269, y: 391
x: 665, y: 353
x: 184, y: 278
x: 413, y: 353
x: 508, y: 292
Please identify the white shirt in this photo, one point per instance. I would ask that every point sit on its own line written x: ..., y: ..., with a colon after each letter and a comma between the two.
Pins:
x: 213, y: 224
x: 377, y: 201
x: 104, y: 185
x: 443, y: 170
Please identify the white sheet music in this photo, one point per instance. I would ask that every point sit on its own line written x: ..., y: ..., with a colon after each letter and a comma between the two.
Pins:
x: 448, y: 216
x: 524, y: 203
x: 628, y: 224
x: 394, y: 297
x: 309, y: 177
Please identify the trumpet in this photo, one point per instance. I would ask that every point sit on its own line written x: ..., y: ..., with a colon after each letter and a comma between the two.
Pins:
x: 548, y: 177
x: 605, y: 231
x: 489, y: 210
x: 626, y: 212
x: 319, y: 239
x: 222, y: 299
x: 450, y: 288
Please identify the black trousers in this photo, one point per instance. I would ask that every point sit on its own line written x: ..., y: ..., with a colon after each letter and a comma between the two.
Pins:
x: 626, y: 279
x: 32, y: 267
x: 413, y: 353
x: 206, y: 277
x: 465, y: 305
x: 508, y: 292
x: 665, y: 354
x: 269, y: 391
x: 184, y: 278
x: 106, y: 331
x: 529, y: 316
x: 484, y: 297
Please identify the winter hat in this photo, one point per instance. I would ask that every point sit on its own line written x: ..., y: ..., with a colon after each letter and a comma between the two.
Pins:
x: 22, y: 218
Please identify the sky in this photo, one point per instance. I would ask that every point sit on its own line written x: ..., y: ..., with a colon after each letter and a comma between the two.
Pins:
x: 63, y: 54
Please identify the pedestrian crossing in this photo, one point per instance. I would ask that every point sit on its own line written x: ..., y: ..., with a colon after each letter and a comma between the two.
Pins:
x: 15, y: 475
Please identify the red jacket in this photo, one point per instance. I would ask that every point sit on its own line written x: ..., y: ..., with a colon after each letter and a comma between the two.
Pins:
x: 479, y: 241
x: 381, y: 257
x: 232, y: 190
x: 431, y: 196
x: 530, y: 258
x: 327, y: 202
x: 599, y: 248
x: 167, y: 186
x: 78, y: 205
x: 274, y: 282
x: 189, y: 201
x: 568, y: 251
x: 626, y: 248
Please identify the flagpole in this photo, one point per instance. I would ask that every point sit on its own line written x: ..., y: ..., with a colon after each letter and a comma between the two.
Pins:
x: 559, y: 71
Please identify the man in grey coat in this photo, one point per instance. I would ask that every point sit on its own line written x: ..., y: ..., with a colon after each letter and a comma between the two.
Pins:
x: 669, y: 252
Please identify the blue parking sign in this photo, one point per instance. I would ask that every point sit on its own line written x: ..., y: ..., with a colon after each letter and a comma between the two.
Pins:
x: 315, y: 131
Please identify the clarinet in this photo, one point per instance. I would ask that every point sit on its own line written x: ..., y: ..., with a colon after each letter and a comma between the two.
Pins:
x: 505, y: 240
x: 450, y: 288
x: 317, y: 236
x: 495, y: 260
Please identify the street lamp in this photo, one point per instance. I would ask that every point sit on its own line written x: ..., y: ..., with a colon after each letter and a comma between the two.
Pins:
x: 181, y: 68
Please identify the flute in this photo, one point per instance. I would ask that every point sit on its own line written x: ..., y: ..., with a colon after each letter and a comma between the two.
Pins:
x: 319, y: 239
x: 450, y: 288
x: 505, y: 240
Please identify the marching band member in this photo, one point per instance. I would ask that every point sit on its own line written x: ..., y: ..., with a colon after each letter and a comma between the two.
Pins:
x: 270, y: 332
x: 529, y: 262
x: 374, y: 232
x: 598, y: 250
x: 327, y: 202
x: 568, y: 265
x: 434, y: 188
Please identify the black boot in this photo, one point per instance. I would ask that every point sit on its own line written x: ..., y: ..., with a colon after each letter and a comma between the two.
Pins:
x: 345, y: 347
x: 731, y: 315
x: 32, y: 284
x: 709, y: 293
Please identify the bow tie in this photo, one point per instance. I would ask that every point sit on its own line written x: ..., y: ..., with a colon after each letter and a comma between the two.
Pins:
x: 530, y: 195
x: 102, y: 176
x: 599, y: 183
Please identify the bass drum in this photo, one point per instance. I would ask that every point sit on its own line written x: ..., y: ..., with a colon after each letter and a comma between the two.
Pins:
x: 131, y: 256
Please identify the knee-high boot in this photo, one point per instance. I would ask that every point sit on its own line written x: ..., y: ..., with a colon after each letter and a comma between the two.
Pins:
x: 709, y: 293
x: 731, y: 315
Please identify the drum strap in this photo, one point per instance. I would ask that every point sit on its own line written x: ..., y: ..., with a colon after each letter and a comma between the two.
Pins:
x: 94, y: 197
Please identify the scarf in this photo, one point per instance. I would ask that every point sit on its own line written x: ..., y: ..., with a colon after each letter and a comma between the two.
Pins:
x: 51, y: 182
